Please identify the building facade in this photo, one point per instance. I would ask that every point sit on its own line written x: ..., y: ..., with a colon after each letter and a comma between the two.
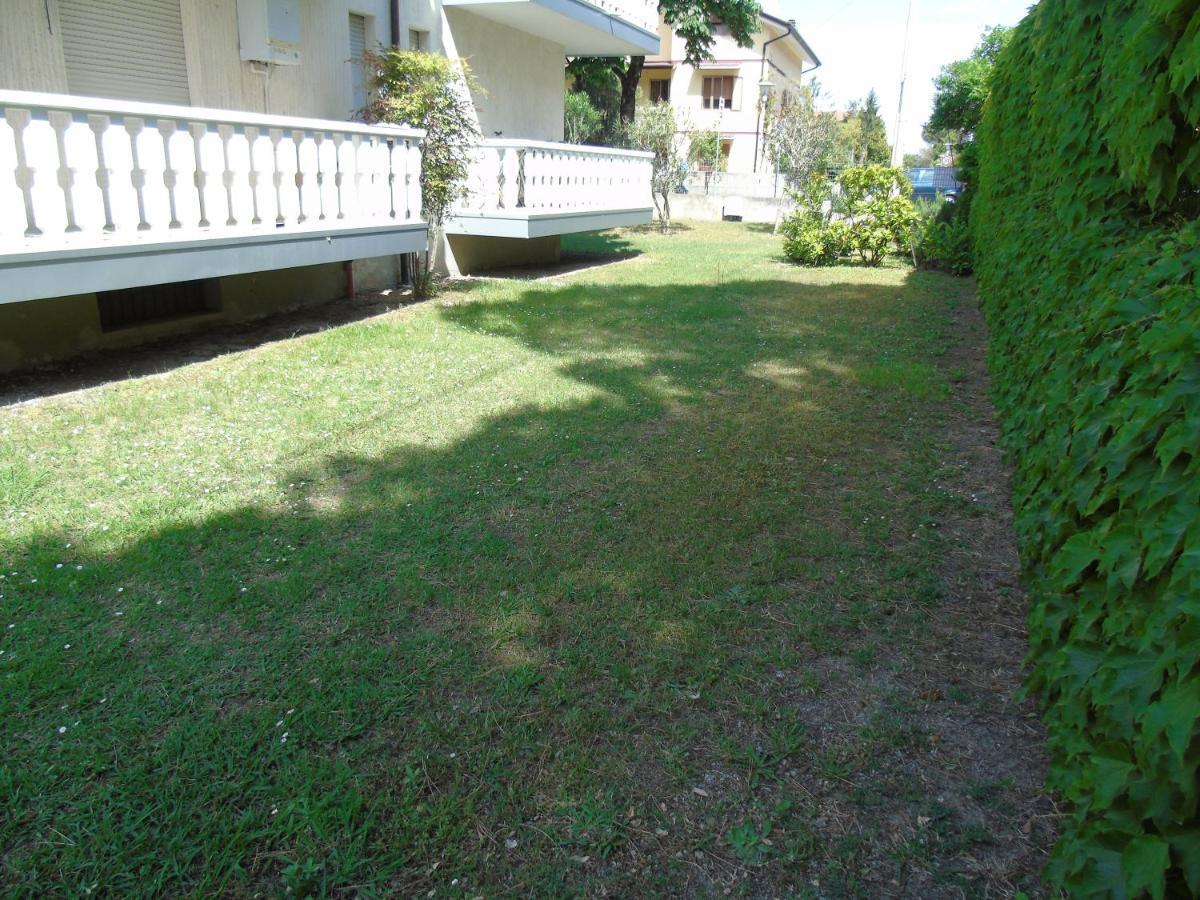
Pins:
x: 724, y: 93
x: 166, y: 164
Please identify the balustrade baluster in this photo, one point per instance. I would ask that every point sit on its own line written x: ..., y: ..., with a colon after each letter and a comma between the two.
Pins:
x: 276, y: 135
x: 137, y: 175
x: 318, y: 140
x: 390, y: 156
x: 167, y: 129
x: 199, y: 177
x: 298, y: 139
x: 18, y: 120
x: 98, y: 124
x: 60, y: 121
x: 338, y: 139
x: 252, y: 174
x: 356, y: 145
x: 225, y: 132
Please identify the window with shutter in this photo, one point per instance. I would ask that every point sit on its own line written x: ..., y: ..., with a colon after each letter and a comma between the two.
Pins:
x: 718, y: 92
x: 358, y: 46
x: 125, y: 49
x: 660, y: 90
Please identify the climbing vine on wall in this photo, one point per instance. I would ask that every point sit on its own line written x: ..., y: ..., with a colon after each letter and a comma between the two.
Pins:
x: 1087, y: 248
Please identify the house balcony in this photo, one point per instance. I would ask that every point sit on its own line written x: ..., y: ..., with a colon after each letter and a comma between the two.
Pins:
x: 582, y: 27
x: 98, y: 195
x: 533, y: 189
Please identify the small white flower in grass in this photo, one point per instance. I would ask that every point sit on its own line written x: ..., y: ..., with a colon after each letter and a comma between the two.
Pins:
x: 33, y: 581
x: 279, y: 723
x: 120, y: 590
x: 290, y: 711
x: 79, y: 568
x: 62, y: 729
x: 66, y: 646
x: 158, y: 603
x: 59, y: 566
x: 511, y: 844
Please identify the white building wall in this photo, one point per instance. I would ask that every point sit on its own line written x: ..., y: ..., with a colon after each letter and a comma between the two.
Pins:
x: 31, y: 55
x: 521, y: 76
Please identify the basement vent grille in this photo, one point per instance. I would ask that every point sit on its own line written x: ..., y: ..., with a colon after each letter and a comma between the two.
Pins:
x: 131, y: 307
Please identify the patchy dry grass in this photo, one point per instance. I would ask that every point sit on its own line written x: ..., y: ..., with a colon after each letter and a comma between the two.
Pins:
x: 690, y: 575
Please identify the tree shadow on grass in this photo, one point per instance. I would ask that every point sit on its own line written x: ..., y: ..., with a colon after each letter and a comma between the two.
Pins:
x: 547, y: 629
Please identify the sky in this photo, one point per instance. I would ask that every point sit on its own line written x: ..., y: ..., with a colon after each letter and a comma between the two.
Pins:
x: 860, y: 44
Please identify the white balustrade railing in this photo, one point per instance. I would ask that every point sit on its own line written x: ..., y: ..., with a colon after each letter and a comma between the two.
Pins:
x: 531, y: 177
x: 78, y: 171
x: 641, y: 13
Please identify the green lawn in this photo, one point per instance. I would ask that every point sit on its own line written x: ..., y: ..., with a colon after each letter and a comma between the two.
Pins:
x: 625, y: 583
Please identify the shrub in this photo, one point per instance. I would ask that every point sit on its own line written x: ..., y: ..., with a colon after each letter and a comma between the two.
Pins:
x: 428, y: 91
x: 582, y: 122
x: 704, y: 149
x: 877, y: 216
x: 943, y: 243
x: 1087, y: 252
x: 809, y: 242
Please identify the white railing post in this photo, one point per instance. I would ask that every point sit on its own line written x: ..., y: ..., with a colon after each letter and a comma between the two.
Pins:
x: 538, y: 176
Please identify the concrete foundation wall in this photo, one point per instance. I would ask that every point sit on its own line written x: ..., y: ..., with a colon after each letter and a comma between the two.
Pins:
x: 469, y: 253
x: 42, y: 331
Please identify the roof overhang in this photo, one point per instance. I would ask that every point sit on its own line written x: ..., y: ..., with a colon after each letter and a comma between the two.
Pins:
x: 579, y: 27
x: 790, y: 29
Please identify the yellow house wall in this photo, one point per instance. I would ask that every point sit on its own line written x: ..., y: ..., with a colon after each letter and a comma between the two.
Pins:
x: 745, y: 63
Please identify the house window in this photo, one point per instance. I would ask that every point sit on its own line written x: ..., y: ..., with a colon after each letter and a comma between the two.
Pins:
x: 125, y: 49
x: 718, y: 92
x: 660, y: 90
x: 417, y: 39
x: 358, y: 47
x: 130, y: 307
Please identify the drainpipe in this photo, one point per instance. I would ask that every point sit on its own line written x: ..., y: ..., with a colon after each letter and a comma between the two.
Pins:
x: 762, y: 76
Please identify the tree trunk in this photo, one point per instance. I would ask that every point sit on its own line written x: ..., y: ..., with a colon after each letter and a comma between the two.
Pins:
x: 664, y: 214
x: 629, y: 87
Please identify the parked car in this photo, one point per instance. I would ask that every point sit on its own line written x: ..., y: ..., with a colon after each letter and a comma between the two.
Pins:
x: 931, y: 182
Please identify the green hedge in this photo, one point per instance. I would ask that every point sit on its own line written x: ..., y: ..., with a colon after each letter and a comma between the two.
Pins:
x: 1087, y: 249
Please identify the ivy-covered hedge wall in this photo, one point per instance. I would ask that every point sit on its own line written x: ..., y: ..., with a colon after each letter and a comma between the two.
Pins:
x: 1087, y: 249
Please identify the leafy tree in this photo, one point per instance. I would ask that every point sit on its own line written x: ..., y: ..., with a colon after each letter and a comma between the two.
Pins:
x: 429, y: 91
x: 656, y: 129
x: 799, y: 139
x: 873, y: 147
x: 926, y: 156
x: 962, y: 86
x: 582, y: 122
x: 693, y: 22
x: 960, y: 90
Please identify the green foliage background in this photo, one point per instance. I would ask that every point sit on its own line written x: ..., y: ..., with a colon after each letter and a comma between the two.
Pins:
x: 1087, y: 250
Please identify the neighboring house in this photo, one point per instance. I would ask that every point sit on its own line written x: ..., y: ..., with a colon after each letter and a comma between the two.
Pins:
x: 166, y: 164
x: 723, y: 93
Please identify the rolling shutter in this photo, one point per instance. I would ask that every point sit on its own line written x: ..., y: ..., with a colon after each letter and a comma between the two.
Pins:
x: 358, y: 46
x: 125, y: 49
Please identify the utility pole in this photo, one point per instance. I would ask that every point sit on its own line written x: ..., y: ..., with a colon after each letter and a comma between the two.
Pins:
x: 896, y: 158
